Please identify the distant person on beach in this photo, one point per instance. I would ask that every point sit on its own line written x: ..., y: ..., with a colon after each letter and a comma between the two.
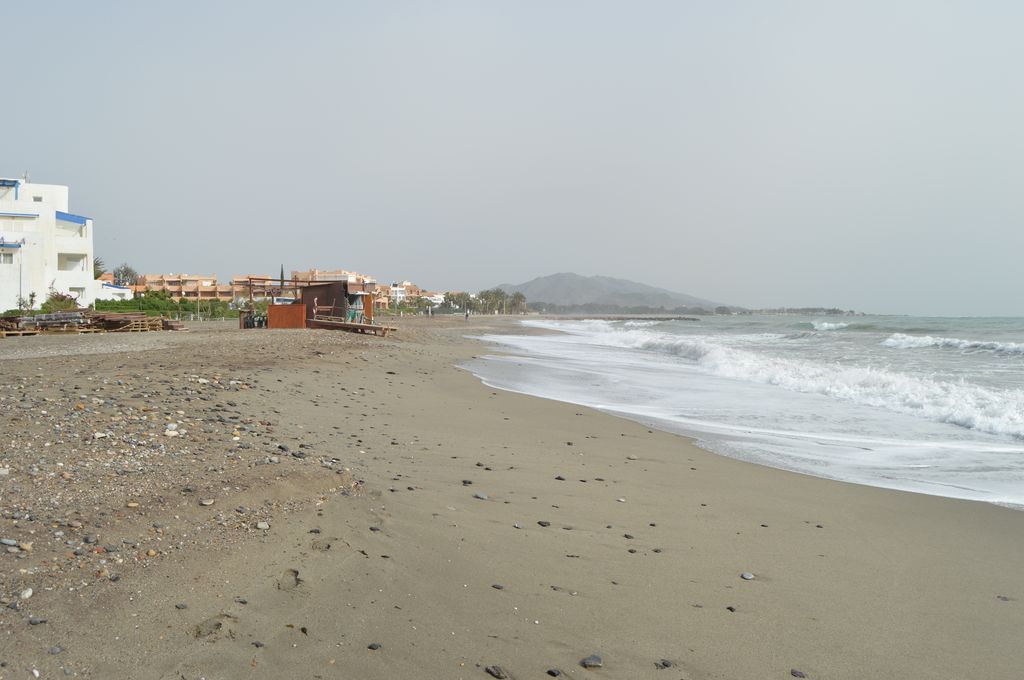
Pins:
x: 467, y: 315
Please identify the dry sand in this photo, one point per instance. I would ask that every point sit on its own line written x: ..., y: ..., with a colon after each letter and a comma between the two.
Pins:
x: 641, y: 562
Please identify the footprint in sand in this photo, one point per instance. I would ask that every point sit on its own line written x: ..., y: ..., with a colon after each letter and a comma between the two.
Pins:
x: 211, y: 629
x: 289, y: 580
x: 320, y: 545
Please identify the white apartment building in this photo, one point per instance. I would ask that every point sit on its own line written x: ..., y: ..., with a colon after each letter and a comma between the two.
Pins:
x: 398, y: 292
x: 42, y: 245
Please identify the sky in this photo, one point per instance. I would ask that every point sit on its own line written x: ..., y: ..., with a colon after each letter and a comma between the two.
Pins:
x: 865, y: 155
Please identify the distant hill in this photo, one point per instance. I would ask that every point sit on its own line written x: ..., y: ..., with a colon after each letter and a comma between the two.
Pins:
x: 573, y: 290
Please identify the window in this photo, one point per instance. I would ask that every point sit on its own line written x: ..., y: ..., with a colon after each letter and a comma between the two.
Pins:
x: 37, y: 199
x: 77, y: 293
x: 6, y: 258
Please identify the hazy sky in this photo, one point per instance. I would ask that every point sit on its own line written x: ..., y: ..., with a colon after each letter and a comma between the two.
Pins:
x: 860, y: 154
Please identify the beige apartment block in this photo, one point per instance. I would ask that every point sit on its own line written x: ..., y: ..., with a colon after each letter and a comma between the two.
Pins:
x: 186, y: 286
x: 331, y: 275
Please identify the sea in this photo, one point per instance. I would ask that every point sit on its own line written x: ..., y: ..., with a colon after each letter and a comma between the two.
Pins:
x: 928, y: 405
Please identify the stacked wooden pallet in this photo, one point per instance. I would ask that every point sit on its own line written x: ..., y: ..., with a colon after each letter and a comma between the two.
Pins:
x: 88, y: 321
x: 125, y: 322
x: 9, y: 328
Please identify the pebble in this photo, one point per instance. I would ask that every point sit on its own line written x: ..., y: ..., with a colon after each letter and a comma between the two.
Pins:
x: 497, y: 672
x: 592, y: 661
x: 560, y: 478
x: 257, y: 644
x: 630, y: 457
x: 181, y: 606
x: 262, y: 525
x: 480, y: 496
x: 621, y: 500
x: 747, y: 576
x: 373, y: 645
x: 664, y: 663
x: 498, y: 586
x: 797, y: 674
x: 35, y: 620
x: 206, y: 502
x: 8, y: 541
x: 56, y: 649
x: 25, y: 594
x: 554, y: 672
x: 544, y: 523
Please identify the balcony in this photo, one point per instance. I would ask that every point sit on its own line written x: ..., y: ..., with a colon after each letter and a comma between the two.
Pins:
x: 72, y: 262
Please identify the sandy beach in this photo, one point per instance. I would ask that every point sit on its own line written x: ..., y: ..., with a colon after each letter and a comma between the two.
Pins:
x: 222, y: 504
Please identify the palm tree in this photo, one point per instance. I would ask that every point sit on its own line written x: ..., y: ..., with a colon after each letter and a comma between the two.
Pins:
x: 98, y: 267
x: 517, y: 303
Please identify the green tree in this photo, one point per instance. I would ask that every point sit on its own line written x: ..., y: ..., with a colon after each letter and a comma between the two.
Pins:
x: 456, y: 300
x: 418, y: 303
x: 517, y: 303
x: 492, y: 300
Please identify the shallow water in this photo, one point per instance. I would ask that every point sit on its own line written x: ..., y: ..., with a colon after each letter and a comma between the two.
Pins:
x: 922, y: 404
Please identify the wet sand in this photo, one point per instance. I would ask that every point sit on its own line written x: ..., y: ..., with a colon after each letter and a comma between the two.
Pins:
x: 418, y: 491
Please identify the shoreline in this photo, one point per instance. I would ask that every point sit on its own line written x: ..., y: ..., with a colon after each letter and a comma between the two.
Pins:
x: 931, y: 462
x: 850, y: 581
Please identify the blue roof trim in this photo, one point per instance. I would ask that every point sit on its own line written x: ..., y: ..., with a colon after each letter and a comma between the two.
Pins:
x: 10, y: 245
x: 9, y: 182
x: 111, y: 285
x: 13, y: 214
x: 68, y: 217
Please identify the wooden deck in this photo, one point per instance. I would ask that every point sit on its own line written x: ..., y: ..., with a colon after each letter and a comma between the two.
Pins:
x: 338, y: 322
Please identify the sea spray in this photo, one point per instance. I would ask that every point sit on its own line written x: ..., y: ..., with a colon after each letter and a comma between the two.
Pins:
x: 903, y: 341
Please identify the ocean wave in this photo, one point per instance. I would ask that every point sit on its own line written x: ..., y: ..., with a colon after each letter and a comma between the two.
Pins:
x: 902, y: 341
x: 828, y: 326
x: 640, y: 324
x: 958, y: 403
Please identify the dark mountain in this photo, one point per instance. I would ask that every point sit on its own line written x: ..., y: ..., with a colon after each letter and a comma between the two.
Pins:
x: 575, y: 290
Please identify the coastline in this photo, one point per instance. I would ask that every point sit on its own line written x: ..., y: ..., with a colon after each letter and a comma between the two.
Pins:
x: 850, y: 581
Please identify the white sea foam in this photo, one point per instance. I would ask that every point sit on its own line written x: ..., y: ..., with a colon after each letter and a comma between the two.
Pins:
x: 959, y: 403
x: 828, y: 326
x: 837, y: 405
x: 902, y: 341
